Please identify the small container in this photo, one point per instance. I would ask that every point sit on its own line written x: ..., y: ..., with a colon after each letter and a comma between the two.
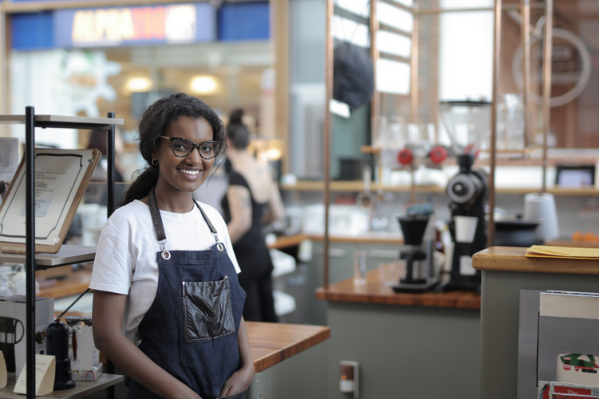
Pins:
x: 359, y: 267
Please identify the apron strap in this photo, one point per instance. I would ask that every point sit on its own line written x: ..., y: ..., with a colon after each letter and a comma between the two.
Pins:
x: 159, y: 226
x: 219, y: 245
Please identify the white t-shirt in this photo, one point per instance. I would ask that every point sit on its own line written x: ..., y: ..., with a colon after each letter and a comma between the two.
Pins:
x: 126, y: 254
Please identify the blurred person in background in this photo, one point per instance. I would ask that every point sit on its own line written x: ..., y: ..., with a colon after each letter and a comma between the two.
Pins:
x: 252, y: 200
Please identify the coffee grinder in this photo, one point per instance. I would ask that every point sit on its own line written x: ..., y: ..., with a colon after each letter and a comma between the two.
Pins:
x: 418, y: 277
x: 467, y: 192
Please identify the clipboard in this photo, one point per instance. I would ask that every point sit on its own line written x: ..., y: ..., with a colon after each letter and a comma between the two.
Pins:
x: 61, y: 178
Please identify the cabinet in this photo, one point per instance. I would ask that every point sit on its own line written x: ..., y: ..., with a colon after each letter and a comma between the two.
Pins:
x: 341, y: 267
x: 67, y: 254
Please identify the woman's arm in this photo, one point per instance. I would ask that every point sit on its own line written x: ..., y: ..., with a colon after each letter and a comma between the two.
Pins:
x: 108, y: 311
x: 240, y: 206
x: 242, y: 378
x: 275, y: 210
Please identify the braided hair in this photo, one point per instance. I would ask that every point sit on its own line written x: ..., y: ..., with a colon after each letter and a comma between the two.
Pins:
x: 155, y: 122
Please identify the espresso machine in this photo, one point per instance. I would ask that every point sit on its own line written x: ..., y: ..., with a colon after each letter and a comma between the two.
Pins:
x: 467, y: 192
x: 419, y: 267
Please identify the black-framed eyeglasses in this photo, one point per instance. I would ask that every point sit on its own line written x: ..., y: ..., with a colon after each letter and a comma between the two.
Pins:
x: 182, y: 147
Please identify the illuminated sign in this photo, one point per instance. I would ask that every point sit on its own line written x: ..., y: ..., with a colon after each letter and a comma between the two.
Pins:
x: 122, y: 26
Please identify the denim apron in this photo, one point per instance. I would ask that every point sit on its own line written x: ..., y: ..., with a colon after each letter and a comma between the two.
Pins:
x: 191, y: 328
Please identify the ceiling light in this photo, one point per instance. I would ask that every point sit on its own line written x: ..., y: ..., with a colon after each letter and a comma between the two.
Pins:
x: 138, y: 84
x: 204, y: 84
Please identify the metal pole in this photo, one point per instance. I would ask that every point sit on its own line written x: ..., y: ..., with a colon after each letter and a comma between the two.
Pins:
x: 111, y: 159
x: 30, y: 248
x: 525, y: 32
x: 110, y: 391
x: 493, y: 139
x: 547, y: 55
x: 414, y: 69
x: 375, y: 103
x: 326, y: 137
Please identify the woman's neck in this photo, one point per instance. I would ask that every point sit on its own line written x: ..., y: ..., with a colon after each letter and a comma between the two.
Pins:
x: 171, y: 200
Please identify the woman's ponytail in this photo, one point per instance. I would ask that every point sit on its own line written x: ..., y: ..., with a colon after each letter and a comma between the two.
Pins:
x: 140, y: 188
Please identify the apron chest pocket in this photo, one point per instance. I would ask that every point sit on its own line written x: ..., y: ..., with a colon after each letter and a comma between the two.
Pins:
x: 207, y: 311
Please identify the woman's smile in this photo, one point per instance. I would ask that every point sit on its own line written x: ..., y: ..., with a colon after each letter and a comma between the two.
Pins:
x: 190, y: 173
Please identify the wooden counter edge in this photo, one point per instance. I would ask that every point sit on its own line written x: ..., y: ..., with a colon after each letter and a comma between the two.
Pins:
x: 291, y: 350
x: 426, y: 300
x: 289, y: 241
x: 513, y: 259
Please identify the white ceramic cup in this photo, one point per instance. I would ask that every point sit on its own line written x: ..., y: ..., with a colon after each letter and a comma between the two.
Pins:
x: 465, y: 228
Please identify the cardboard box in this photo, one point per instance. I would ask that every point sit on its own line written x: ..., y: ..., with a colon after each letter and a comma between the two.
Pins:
x: 85, y: 357
x: 13, y: 342
x: 560, y: 390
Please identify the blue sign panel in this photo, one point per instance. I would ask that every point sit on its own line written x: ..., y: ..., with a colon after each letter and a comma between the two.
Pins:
x: 131, y: 26
x: 244, y: 21
x: 32, y: 31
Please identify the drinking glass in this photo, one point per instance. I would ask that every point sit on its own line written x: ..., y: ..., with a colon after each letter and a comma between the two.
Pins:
x: 359, y: 267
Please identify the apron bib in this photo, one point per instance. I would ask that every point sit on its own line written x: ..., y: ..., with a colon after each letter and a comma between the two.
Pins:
x: 191, y: 328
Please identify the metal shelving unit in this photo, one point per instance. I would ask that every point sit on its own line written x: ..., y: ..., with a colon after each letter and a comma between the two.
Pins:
x: 70, y: 255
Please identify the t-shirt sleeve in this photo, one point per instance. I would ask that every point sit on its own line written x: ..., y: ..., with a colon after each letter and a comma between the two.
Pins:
x: 113, y: 266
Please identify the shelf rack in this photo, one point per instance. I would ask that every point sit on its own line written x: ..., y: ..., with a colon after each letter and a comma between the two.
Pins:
x: 32, y: 121
x: 358, y: 186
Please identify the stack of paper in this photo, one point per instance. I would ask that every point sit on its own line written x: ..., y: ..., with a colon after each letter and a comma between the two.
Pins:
x: 545, y: 251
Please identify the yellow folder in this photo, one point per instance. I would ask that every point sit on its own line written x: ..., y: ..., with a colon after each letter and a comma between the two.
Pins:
x: 546, y: 251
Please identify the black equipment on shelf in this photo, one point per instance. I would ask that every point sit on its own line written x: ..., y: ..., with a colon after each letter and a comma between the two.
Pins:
x: 419, y: 273
x: 30, y: 125
x: 467, y: 192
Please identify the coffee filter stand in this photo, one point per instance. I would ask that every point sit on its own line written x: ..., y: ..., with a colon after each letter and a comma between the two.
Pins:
x: 413, y: 228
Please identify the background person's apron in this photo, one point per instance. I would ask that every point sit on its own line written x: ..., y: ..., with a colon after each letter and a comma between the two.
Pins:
x: 191, y: 328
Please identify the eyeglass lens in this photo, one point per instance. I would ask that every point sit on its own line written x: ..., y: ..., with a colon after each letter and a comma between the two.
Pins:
x: 183, y: 148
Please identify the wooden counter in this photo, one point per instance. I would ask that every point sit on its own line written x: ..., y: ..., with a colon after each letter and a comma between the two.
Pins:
x: 513, y: 259
x: 366, y: 238
x: 395, y: 336
x: 82, y: 388
x: 507, y: 276
x: 377, y: 292
x: 75, y: 283
x: 271, y: 343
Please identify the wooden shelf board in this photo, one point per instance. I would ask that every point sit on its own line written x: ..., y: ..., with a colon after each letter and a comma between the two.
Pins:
x: 82, y: 388
x: 67, y: 254
x: 376, y: 291
x: 369, y: 237
x: 511, y: 158
x: 20, y: 119
x: 358, y: 186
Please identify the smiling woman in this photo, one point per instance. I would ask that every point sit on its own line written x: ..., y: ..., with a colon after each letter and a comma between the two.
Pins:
x: 165, y: 271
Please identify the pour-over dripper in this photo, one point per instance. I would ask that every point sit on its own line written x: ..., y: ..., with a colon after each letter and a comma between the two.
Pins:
x: 413, y: 228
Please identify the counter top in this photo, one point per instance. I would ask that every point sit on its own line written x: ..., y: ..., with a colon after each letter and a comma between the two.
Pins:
x: 82, y: 388
x: 366, y: 238
x: 271, y: 343
x: 376, y: 291
x: 513, y: 259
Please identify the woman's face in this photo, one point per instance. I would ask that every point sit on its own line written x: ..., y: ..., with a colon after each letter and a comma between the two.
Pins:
x: 184, y: 174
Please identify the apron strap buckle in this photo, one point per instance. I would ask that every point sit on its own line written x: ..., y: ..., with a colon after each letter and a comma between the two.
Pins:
x: 166, y: 255
x: 219, y: 245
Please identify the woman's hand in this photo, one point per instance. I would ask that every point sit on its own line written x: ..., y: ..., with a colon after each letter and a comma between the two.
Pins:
x: 239, y: 381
